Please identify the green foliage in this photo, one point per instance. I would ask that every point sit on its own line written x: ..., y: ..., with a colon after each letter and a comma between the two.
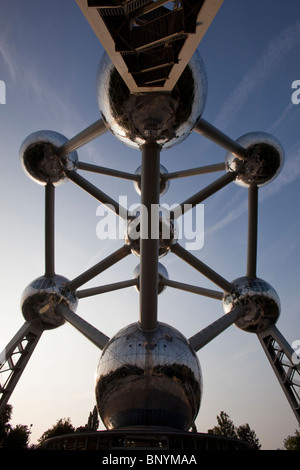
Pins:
x: 292, y: 442
x: 12, y: 438
x: 62, y: 426
x: 227, y: 428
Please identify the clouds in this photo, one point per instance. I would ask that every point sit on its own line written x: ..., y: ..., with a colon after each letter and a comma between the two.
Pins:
x: 270, y: 59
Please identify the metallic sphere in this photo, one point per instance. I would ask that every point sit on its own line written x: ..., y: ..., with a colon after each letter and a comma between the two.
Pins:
x: 42, y: 295
x: 167, y: 231
x: 261, y: 302
x: 164, y: 118
x: 39, y: 159
x: 162, y: 274
x: 263, y: 163
x: 164, y: 183
x: 150, y: 378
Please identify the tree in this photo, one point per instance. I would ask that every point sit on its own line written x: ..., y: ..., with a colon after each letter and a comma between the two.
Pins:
x: 248, y: 435
x: 292, y: 442
x: 62, y: 426
x: 13, y: 438
x: 227, y: 428
x: 92, y: 423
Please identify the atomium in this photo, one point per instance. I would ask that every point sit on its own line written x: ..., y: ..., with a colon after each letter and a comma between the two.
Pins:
x: 148, y: 378
x: 260, y: 301
x: 42, y: 295
x: 40, y: 159
x: 164, y: 118
x: 149, y: 373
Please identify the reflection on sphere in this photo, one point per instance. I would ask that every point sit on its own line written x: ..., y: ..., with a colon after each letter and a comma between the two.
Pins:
x: 161, y: 117
x: 148, y: 378
x: 42, y: 295
x: 260, y: 300
x: 40, y: 161
x: 263, y: 163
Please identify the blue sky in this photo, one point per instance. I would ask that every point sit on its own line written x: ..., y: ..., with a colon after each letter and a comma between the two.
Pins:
x: 49, y: 58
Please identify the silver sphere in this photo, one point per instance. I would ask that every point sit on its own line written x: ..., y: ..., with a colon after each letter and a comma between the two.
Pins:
x: 167, y: 232
x: 261, y: 302
x: 150, y: 378
x: 164, y: 118
x: 263, y: 163
x: 39, y: 159
x: 162, y: 274
x: 42, y: 295
x: 164, y: 183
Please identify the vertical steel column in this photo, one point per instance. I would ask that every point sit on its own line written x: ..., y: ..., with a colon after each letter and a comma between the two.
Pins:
x: 49, y: 229
x: 252, y: 231
x: 149, y: 241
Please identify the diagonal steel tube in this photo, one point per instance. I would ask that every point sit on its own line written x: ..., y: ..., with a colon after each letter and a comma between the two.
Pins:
x: 99, y: 267
x: 90, y: 332
x: 204, y: 193
x: 252, y: 231
x: 201, y: 267
x: 213, y: 294
x: 149, y: 242
x: 195, y: 171
x: 49, y: 229
x: 90, y: 133
x: 107, y: 288
x: 107, y: 171
x: 97, y: 194
x: 215, y: 135
x: 201, y: 339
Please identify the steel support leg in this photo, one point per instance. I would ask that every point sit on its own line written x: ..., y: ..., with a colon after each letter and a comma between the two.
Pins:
x: 280, y: 355
x: 14, y: 359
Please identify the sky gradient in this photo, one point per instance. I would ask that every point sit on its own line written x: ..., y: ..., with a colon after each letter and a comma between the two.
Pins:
x: 49, y: 58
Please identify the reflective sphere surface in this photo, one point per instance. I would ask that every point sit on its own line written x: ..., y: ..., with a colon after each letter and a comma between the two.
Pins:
x: 261, y: 302
x: 38, y: 154
x: 150, y: 378
x: 164, y: 184
x: 40, y: 298
x: 166, y: 233
x: 166, y: 118
x: 162, y: 274
x: 264, y: 161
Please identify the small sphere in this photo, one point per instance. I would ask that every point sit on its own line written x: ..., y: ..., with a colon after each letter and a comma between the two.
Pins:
x: 42, y: 295
x: 263, y: 163
x: 260, y: 300
x: 148, y: 378
x: 164, y: 184
x: 167, y: 232
x: 166, y: 118
x: 162, y: 274
x: 39, y: 159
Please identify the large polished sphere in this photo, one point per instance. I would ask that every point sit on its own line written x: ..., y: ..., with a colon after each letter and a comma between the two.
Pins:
x: 39, y: 159
x: 148, y: 378
x: 260, y: 300
x: 263, y: 163
x: 161, y: 117
x: 167, y: 232
x: 42, y: 295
